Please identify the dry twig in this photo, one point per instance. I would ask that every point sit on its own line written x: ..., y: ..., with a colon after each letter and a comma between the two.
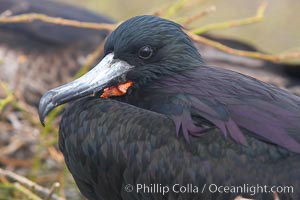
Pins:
x: 174, y: 8
x: 228, y: 24
x: 187, y: 21
x: 54, y: 187
x: 30, y: 195
x: 28, y: 183
x: 30, y: 17
x: 250, y: 54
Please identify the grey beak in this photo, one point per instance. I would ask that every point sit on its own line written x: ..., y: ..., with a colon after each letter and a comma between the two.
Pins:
x: 101, y: 76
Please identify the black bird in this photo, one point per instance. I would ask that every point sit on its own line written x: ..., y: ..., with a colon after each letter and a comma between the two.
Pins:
x: 166, y: 118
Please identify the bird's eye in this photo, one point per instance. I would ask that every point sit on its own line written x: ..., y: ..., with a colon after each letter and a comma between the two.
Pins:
x: 145, y: 52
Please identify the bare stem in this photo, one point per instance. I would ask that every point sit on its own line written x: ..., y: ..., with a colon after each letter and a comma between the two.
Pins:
x: 250, y: 54
x: 174, y: 8
x: 26, y: 182
x: 240, y: 22
x: 202, y: 13
x: 26, y: 192
x: 54, y: 187
x: 30, y: 17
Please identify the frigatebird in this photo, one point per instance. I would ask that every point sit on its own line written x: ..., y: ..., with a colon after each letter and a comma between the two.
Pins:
x: 152, y: 115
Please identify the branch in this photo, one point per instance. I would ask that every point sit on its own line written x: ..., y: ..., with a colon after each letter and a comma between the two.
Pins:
x: 175, y: 8
x: 30, y: 17
x: 27, y: 192
x: 24, y: 181
x: 240, y: 22
x: 159, y: 12
x: 54, y: 187
x: 202, y: 13
x: 250, y: 54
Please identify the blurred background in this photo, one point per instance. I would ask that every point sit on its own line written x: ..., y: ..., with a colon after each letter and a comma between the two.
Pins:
x: 278, y: 32
x: 38, y: 56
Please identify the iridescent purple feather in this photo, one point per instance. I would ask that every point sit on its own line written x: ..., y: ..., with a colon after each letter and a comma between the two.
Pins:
x: 236, y: 101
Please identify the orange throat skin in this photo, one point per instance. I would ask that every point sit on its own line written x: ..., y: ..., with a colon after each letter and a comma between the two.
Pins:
x: 117, y: 90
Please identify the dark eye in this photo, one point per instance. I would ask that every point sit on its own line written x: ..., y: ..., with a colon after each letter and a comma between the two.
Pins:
x: 145, y: 52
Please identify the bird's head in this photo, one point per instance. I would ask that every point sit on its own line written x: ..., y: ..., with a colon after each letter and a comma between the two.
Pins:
x: 140, y: 50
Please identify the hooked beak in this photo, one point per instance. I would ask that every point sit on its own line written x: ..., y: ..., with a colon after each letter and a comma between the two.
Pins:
x: 105, y: 73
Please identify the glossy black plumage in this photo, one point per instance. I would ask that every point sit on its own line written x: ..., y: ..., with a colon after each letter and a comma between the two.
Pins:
x: 247, y: 132
x: 108, y: 144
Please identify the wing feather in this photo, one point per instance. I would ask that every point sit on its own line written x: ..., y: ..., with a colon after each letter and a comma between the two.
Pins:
x: 232, y: 101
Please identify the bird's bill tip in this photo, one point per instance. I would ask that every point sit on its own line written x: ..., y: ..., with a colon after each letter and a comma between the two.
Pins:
x: 45, y: 106
x: 107, y: 72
